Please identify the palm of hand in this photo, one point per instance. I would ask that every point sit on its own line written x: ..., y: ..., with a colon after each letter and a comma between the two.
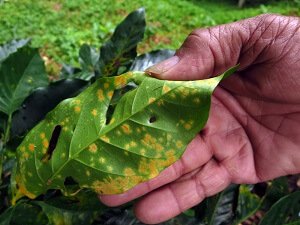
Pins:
x: 252, y: 134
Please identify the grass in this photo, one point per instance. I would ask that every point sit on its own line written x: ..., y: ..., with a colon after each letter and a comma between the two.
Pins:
x: 60, y: 27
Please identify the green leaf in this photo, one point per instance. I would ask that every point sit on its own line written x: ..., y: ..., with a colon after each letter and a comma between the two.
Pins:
x: 284, y: 211
x: 88, y: 58
x: 120, y: 50
x: 248, y: 203
x: 120, y: 216
x: 148, y: 131
x: 11, y: 47
x: 21, y: 73
x: 219, y: 209
x: 277, y: 189
x: 142, y: 62
x: 23, y: 213
x: 42, y: 101
x: 80, y: 209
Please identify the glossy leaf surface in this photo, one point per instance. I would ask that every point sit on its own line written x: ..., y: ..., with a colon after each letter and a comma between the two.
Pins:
x: 11, y: 47
x: 149, y: 130
x: 285, y: 211
x: 248, y: 203
x: 219, y: 209
x: 120, y: 50
x: 142, y: 62
x: 21, y: 73
x: 41, y: 101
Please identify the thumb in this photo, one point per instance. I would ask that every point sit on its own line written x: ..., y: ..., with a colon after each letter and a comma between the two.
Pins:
x: 208, y: 52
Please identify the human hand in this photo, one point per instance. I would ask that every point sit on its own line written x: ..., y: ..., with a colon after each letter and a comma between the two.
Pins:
x: 253, y: 131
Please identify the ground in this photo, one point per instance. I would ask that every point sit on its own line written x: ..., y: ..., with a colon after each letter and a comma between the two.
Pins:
x: 60, y: 27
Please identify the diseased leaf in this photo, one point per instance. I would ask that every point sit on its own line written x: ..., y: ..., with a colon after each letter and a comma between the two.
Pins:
x: 23, y: 213
x: 11, y: 47
x: 82, y: 208
x: 284, y: 211
x: 41, y: 101
x: 248, y: 203
x: 117, y: 54
x: 20, y: 74
x: 149, y: 130
x: 142, y: 62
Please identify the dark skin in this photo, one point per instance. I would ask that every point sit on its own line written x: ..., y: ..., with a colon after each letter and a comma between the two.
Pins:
x: 253, y: 132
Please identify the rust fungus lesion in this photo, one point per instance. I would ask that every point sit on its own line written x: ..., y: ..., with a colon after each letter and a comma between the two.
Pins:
x: 126, y: 128
x: 100, y: 95
x: 31, y: 147
x: 93, y: 148
x: 94, y: 112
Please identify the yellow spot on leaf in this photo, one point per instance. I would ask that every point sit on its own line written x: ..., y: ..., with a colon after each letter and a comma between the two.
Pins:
x: 120, y: 81
x: 106, y: 85
x: 148, y: 167
x: 129, y: 172
x: 94, y: 112
x: 22, y: 148
x: 93, y: 148
x: 109, y: 168
x: 143, y: 151
x: 77, y: 109
x: 42, y: 135
x: 25, y: 155
x: 77, y: 101
x: 173, y: 95
x: 179, y: 144
x: 31, y: 147
x: 105, y: 138
x: 116, y: 185
x: 160, y: 102
x: 196, y: 100
x: 171, y: 158
x: 45, y: 143
x: 100, y: 95
x: 133, y: 144
x: 110, y: 94
x: 127, y: 146
x: 187, y: 126
x: 184, y: 92
x: 112, y: 120
x: 166, y: 89
x: 126, y: 128
x: 22, y: 188
x: 151, y: 142
x: 88, y: 173
x: 63, y: 155
x: 102, y: 160
x: 151, y: 100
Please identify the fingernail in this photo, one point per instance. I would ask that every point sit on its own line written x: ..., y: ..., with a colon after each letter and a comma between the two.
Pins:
x: 162, y: 67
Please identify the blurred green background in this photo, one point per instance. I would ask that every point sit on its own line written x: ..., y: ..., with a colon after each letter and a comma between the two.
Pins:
x: 60, y: 27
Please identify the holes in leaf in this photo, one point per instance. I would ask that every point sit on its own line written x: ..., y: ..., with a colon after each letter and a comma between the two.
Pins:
x: 260, y: 189
x: 52, y: 143
x: 152, y: 119
x: 70, y: 181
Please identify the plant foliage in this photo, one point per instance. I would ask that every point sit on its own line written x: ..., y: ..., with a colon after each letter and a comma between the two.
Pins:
x: 95, y: 131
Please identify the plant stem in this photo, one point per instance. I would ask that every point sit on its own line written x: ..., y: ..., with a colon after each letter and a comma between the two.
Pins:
x: 7, y: 130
